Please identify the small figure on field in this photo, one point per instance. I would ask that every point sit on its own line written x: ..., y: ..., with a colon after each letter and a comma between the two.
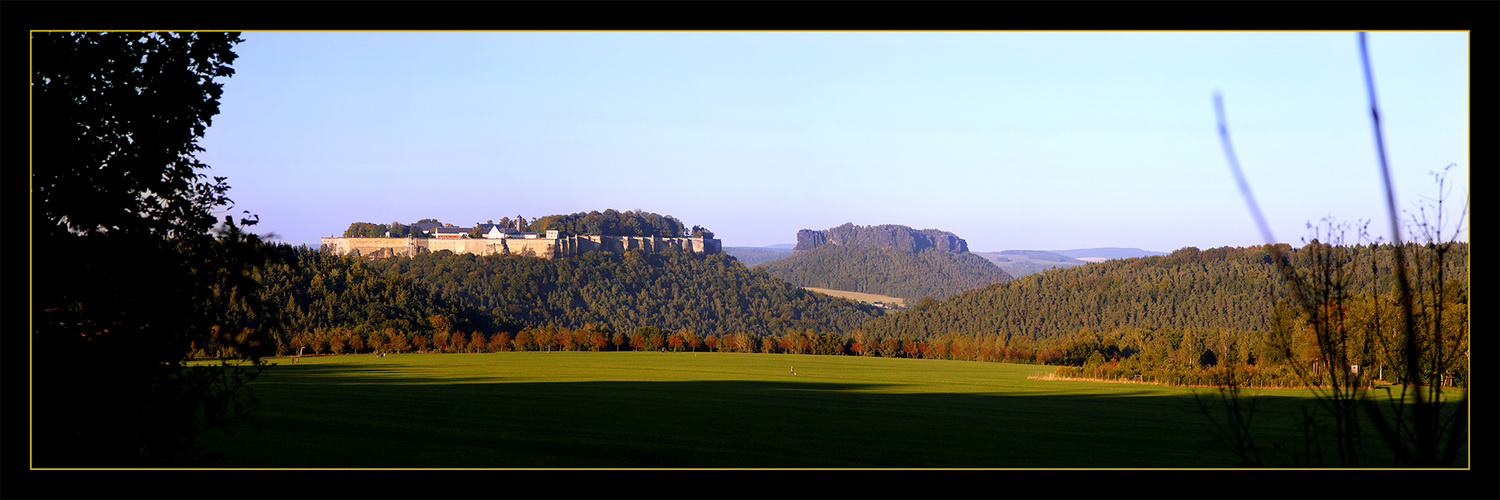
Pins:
x: 794, y: 370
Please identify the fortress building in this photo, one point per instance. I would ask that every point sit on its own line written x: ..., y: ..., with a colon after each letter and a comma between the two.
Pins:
x: 497, y: 241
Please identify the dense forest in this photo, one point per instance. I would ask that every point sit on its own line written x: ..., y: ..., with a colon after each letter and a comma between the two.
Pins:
x: 1180, y: 317
x: 887, y: 271
x: 709, y: 293
x: 1234, y: 288
x: 1183, y: 318
x: 322, y: 295
x: 326, y: 296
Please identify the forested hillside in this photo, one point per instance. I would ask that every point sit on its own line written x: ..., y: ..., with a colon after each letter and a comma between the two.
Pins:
x: 1166, y: 319
x: 326, y: 295
x: 711, y: 294
x: 345, y: 303
x: 1220, y: 288
x: 887, y: 271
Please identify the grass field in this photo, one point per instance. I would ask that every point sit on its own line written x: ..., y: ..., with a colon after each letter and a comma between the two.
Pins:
x: 858, y: 297
x: 716, y: 410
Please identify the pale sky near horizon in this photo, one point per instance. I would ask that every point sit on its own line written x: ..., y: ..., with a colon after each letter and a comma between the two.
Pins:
x: 1011, y: 140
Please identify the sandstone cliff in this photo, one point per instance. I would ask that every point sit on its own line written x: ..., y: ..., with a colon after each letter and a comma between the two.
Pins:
x: 883, y: 236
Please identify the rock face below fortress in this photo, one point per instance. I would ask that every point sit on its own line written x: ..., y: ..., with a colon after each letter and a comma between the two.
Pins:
x: 883, y: 236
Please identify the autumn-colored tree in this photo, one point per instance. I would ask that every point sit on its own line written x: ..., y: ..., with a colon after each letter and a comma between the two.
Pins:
x: 440, y: 323
x: 650, y: 338
x: 768, y: 344
x: 890, y: 347
x: 543, y: 337
x: 500, y: 342
x: 864, y: 344
x: 420, y: 342
x: 787, y: 343
x: 478, y: 342
x: 377, y: 341
x: 1052, y: 356
x: 691, y: 339
x: 805, y: 341
x: 300, y: 342
x: 744, y: 342
x: 356, y: 342
x: 523, y: 341
x: 598, y: 339
x: 336, y: 342
x: 711, y: 342
x: 831, y: 344
x: 397, y: 341
x: 458, y: 342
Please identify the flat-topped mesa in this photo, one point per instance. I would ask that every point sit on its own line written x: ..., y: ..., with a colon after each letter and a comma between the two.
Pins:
x: 883, y: 236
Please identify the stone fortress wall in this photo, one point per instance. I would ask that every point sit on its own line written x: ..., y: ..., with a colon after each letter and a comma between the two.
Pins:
x: 546, y: 248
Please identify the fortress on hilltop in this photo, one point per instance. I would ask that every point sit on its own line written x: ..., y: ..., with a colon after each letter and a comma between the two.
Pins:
x: 547, y: 246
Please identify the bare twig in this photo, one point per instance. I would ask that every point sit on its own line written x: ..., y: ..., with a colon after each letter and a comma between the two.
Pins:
x: 1239, y: 176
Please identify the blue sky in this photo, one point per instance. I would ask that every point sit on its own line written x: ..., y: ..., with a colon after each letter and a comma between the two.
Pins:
x: 1012, y: 140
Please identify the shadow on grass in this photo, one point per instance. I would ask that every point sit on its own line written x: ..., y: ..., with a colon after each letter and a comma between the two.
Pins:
x: 368, y: 417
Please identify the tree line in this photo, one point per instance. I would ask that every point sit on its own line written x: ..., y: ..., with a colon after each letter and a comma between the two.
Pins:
x: 608, y: 223
x: 616, y: 223
x: 677, y: 300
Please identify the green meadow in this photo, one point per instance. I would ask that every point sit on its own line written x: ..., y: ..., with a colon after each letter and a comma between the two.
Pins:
x: 718, y: 410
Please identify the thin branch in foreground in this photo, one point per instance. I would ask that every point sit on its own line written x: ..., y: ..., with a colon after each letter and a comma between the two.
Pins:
x: 1239, y: 175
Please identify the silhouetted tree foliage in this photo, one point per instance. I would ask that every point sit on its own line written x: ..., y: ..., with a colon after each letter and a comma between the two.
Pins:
x: 127, y: 278
x: 887, y: 271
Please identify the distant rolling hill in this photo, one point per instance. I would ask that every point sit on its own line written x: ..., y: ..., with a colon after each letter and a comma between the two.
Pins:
x: 1106, y: 253
x: 1023, y: 262
x: 1016, y: 263
x: 754, y: 256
